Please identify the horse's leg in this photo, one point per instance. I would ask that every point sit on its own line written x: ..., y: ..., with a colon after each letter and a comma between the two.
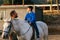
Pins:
x: 10, y: 37
x: 46, y: 34
x: 45, y: 37
x: 5, y: 39
x: 13, y: 36
x: 39, y: 38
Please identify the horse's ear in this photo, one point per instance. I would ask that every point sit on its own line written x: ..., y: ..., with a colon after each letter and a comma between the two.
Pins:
x: 6, y: 20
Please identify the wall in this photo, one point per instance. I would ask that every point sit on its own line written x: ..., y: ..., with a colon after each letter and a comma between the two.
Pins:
x: 5, y: 10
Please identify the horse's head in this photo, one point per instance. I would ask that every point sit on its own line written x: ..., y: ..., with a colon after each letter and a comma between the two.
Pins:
x: 6, y: 29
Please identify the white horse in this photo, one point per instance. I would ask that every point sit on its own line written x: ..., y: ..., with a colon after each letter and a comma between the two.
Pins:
x: 23, y: 29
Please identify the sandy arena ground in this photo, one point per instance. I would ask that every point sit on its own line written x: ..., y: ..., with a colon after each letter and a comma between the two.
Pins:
x: 51, y: 37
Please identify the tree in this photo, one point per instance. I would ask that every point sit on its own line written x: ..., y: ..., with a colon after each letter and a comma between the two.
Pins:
x: 17, y: 2
x: 57, y: 2
x: 10, y: 2
x: 49, y: 1
x: 28, y: 2
x: 5, y: 1
x: 1, y: 2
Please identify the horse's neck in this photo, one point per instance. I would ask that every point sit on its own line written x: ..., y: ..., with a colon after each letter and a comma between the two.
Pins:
x: 21, y: 26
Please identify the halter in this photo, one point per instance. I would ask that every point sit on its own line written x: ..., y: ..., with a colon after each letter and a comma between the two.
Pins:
x: 9, y: 28
x: 6, y: 31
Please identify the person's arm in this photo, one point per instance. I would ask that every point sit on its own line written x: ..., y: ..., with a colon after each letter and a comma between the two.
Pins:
x: 32, y: 19
x: 25, y: 17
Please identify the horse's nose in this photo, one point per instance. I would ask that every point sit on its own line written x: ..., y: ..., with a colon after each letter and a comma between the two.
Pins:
x: 5, y: 36
x: 2, y: 34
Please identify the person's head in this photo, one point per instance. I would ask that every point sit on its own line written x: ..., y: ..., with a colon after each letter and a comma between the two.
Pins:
x: 30, y: 8
x: 13, y: 14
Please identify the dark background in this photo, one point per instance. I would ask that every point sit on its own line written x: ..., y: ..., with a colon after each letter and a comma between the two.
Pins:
x: 19, y: 2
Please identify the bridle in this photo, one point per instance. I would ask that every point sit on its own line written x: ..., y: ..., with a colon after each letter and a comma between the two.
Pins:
x: 9, y: 28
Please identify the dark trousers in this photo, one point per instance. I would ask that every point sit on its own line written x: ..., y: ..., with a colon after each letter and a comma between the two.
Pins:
x: 34, y: 27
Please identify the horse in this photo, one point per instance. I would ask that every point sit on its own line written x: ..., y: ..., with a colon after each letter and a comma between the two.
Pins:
x: 23, y: 29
